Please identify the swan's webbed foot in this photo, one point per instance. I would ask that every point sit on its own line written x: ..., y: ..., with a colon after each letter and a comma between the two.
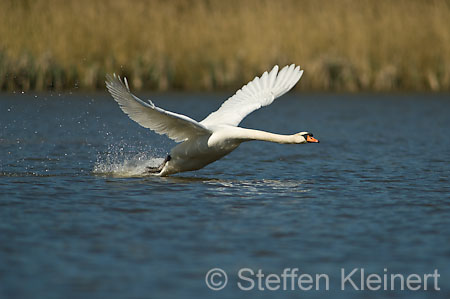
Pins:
x: 151, y: 169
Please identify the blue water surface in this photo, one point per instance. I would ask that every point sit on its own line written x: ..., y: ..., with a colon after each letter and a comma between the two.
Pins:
x: 78, y: 221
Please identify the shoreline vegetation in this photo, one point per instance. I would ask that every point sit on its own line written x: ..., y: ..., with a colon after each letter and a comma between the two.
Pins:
x: 343, y: 45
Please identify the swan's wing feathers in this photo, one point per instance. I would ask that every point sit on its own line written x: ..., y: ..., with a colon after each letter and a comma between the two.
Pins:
x: 176, y: 126
x: 257, y: 93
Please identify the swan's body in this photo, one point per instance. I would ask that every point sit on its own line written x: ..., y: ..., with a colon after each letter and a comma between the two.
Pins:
x: 218, y: 134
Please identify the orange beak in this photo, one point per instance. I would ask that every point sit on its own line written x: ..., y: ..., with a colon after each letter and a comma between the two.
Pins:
x: 311, y: 139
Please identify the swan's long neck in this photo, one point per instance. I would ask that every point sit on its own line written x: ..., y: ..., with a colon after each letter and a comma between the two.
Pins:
x: 249, y: 134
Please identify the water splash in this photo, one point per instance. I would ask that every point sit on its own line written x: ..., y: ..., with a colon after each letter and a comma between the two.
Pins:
x: 117, y: 162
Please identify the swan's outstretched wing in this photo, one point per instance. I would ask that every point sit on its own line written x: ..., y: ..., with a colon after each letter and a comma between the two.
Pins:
x: 256, y: 94
x: 176, y: 126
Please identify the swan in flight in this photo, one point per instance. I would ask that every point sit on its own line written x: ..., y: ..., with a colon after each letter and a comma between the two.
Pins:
x: 201, y: 143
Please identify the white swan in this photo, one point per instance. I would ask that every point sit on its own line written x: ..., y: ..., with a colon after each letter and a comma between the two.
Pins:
x: 218, y: 134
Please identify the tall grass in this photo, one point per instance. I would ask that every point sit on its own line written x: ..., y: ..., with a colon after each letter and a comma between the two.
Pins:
x: 201, y: 45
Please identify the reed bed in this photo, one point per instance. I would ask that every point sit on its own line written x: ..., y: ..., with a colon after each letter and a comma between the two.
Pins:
x: 343, y: 45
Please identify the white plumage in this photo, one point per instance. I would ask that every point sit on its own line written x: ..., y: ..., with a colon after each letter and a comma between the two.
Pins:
x: 218, y: 134
x: 176, y: 126
x: 256, y: 94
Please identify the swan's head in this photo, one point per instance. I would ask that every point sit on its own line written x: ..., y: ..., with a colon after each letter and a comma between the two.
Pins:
x: 305, y: 137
